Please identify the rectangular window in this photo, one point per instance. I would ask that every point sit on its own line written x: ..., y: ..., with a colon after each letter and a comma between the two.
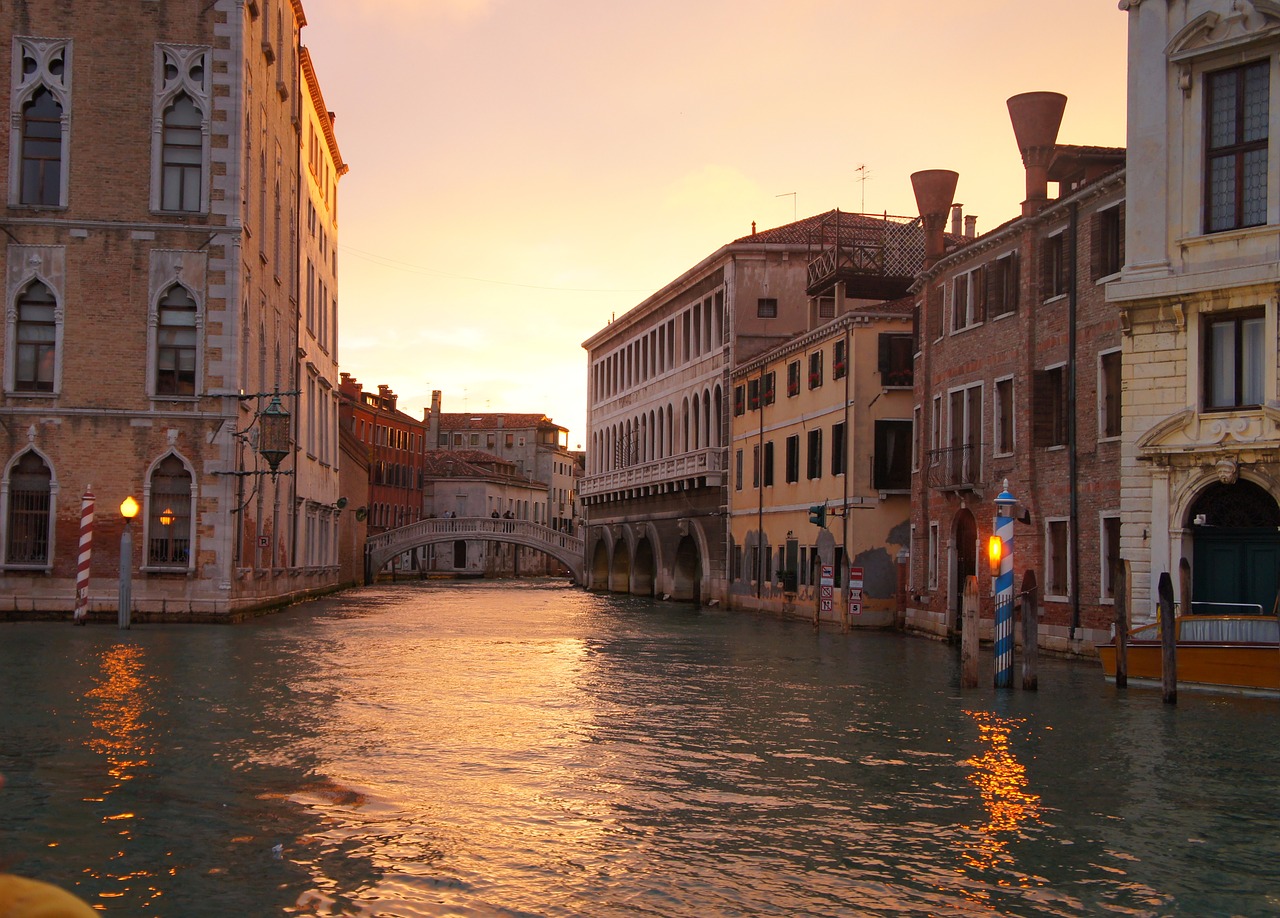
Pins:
x: 36, y: 339
x: 1002, y: 285
x: 1110, y: 555
x: 767, y: 388
x: 815, y: 369
x: 839, y: 360
x: 1055, y: 266
x: 1056, y: 561
x: 917, y: 437
x: 1049, y: 407
x: 768, y: 464
x: 815, y: 454
x: 510, y: 440
x: 838, y: 446
x: 737, y: 471
x: 737, y: 562
x: 739, y: 400
x: 1108, y: 241
x: 755, y: 466
x: 753, y: 395
x: 892, y: 465
x: 961, y: 461
x: 1236, y: 113
x: 1003, y: 413
x: 793, y: 378
x: 1233, y: 361
x: 1109, y: 394
x: 933, y: 310
x: 767, y: 308
x: 968, y: 299
x: 793, y: 459
x: 897, y: 368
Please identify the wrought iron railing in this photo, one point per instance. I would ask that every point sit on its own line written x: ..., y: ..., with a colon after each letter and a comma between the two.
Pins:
x: 954, y: 468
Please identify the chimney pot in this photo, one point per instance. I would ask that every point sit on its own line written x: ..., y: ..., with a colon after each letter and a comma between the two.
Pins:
x: 1036, y: 117
x: 934, y: 190
x: 971, y: 226
x: 957, y: 218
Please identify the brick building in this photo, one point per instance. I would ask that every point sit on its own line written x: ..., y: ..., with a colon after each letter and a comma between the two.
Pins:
x: 150, y: 254
x: 1018, y: 378
x: 1198, y: 303
x: 395, y: 443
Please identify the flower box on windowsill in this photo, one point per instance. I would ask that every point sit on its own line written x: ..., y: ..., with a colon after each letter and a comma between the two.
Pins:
x: 815, y: 380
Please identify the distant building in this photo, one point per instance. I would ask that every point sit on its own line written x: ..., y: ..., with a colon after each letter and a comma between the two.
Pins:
x: 537, y: 446
x: 151, y: 264
x: 655, y: 490
x: 353, y: 521
x: 1197, y: 300
x: 824, y: 421
x: 1017, y: 378
x: 395, y: 443
x: 471, y: 483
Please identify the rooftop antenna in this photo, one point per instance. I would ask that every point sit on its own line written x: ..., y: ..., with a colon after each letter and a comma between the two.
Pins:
x: 865, y: 174
x: 792, y: 196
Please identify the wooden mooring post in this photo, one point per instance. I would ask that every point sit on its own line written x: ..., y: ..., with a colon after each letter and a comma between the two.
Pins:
x: 969, y: 634
x: 1030, y: 631
x: 1122, y: 623
x: 1168, y: 642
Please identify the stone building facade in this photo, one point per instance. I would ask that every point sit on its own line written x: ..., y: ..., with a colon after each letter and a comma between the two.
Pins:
x: 1018, y: 379
x: 150, y: 258
x: 395, y: 444
x: 1198, y: 304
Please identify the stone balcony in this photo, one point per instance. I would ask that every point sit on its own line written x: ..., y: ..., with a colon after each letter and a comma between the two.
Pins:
x: 700, y: 468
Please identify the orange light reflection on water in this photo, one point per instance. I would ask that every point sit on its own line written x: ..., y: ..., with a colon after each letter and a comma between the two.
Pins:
x: 1001, y: 781
x: 119, y: 713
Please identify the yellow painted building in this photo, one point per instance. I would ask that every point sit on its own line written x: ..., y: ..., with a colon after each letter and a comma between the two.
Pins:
x: 824, y: 421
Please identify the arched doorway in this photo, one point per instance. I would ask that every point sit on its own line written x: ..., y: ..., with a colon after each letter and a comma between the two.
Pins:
x: 642, y: 574
x: 686, y: 574
x: 964, y: 540
x: 1236, y: 546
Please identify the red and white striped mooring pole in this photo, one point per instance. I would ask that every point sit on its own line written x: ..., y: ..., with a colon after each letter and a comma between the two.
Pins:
x: 86, y: 552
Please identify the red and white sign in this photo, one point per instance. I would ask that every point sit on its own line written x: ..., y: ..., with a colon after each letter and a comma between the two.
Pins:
x: 855, y: 591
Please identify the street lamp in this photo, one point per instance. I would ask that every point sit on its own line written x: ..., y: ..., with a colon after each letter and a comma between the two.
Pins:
x: 128, y: 510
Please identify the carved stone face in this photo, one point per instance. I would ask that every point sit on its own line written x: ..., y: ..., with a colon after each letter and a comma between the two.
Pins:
x: 1227, y: 471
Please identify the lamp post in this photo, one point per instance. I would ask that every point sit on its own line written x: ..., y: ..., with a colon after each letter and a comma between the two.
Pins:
x: 128, y: 510
x: 1000, y: 551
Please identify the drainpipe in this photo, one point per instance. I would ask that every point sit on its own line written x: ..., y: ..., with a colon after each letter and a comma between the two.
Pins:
x: 844, y: 507
x: 761, y: 563
x: 1073, y: 444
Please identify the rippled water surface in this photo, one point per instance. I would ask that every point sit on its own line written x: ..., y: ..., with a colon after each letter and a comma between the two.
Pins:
x: 527, y: 749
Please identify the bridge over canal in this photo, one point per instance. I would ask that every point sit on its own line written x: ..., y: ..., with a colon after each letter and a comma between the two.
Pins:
x: 381, y: 548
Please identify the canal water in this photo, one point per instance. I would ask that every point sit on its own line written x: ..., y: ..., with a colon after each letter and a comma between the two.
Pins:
x: 526, y: 749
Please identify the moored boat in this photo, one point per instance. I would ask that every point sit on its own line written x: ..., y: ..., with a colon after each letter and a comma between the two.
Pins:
x: 1222, y: 652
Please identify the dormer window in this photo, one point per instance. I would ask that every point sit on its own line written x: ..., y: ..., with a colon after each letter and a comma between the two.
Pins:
x: 1236, y: 116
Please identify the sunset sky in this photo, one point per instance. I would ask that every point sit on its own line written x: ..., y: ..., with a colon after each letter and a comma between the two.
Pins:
x: 521, y: 170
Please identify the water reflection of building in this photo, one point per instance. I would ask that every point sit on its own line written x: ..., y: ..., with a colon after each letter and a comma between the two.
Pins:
x: 144, y: 298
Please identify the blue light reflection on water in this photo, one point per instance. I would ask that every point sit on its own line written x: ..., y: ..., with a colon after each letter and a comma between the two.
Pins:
x: 524, y: 749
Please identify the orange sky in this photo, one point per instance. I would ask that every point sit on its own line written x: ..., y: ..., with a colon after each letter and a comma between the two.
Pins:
x: 523, y: 169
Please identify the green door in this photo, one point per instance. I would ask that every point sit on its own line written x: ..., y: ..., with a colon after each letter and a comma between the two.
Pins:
x: 1236, y: 566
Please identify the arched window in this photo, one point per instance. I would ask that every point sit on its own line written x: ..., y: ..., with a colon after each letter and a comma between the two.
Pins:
x: 42, y: 150
x: 181, y: 155
x: 35, y: 339
x: 169, y: 515
x: 30, y: 503
x: 176, y: 343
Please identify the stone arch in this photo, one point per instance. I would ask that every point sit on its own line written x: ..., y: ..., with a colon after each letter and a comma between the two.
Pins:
x: 619, y: 566
x: 644, y: 568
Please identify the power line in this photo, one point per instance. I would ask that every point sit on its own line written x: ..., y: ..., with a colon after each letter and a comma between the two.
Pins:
x: 412, y: 268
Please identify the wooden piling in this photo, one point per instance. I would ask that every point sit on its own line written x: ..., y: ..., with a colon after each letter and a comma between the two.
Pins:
x: 1184, y: 586
x: 969, y: 634
x: 1168, y: 642
x: 1122, y: 623
x: 1030, y: 631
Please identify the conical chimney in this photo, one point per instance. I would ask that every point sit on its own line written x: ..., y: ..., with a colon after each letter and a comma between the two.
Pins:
x: 1036, y: 117
x: 935, y: 189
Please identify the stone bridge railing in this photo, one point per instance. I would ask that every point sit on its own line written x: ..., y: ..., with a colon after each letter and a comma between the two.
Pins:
x: 381, y: 548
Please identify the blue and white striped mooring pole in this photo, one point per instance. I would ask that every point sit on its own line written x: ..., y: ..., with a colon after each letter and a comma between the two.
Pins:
x: 1000, y: 550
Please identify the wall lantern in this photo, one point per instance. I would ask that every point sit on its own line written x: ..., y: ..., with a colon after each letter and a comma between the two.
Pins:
x: 274, y: 443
